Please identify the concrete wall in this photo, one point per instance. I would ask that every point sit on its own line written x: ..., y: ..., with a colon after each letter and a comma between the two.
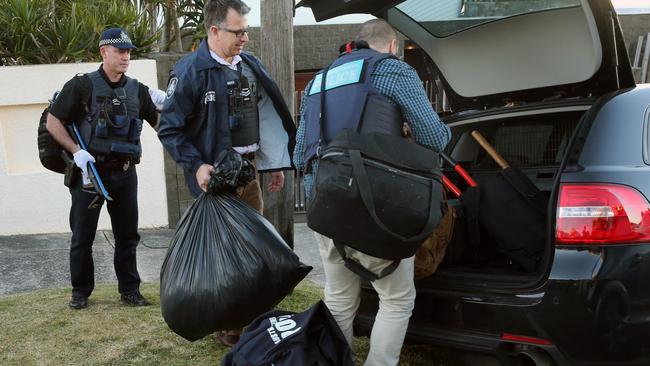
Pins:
x: 33, y: 199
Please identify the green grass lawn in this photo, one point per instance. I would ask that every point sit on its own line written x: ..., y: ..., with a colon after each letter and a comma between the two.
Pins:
x: 38, y: 328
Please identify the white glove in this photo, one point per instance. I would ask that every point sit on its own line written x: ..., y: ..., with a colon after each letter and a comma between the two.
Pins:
x: 81, y: 160
x: 157, y: 97
x: 85, y: 180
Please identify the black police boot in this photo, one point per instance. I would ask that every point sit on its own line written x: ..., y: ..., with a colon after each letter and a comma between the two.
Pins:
x: 134, y: 298
x: 78, y: 302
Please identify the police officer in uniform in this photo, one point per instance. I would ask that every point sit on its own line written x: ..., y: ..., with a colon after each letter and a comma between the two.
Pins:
x: 220, y: 98
x: 108, y: 108
x: 387, y: 92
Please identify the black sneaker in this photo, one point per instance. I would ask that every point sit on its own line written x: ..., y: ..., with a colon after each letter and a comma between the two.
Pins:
x: 78, y: 302
x: 134, y: 298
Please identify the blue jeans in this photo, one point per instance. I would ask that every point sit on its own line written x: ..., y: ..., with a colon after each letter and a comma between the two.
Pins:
x: 122, y: 187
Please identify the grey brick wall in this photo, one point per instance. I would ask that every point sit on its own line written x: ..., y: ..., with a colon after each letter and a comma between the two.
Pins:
x: 314, y: 45
x: 634, y: 25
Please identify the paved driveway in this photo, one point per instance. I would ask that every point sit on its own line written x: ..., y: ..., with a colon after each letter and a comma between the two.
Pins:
x: 30, y: 262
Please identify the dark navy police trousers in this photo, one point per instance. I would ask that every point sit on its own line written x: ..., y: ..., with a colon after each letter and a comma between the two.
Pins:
x: 122, y: 187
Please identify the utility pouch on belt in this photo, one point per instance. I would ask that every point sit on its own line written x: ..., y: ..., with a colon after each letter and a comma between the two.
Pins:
x: 71, y: 173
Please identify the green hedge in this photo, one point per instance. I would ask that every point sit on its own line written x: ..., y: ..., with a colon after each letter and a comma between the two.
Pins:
x: 63, y: 31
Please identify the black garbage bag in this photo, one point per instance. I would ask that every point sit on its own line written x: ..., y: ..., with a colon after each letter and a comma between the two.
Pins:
x: 231, y: 170
x: 284, y: 338
x: 226, y: 265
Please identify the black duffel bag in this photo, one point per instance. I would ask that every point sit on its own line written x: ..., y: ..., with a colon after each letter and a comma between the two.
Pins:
x: 379, y: 194
x: 284, y: 338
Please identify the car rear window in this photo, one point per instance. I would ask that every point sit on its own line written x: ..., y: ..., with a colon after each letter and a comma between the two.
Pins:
x: 446, y: 17
x: 533, y: 141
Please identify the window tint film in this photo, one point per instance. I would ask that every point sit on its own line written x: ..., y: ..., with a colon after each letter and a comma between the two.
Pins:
x: 530, y: 141
x: 445, y: 17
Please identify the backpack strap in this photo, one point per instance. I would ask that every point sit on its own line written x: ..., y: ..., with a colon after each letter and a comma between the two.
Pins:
x: 86, y: 92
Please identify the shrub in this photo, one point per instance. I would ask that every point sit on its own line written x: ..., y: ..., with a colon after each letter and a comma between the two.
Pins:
x: 46, y: 31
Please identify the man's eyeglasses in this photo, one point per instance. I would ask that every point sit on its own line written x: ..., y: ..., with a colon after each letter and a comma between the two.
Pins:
x: 237, y: 32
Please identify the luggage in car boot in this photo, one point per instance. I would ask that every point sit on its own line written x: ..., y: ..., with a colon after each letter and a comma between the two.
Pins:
x: 513, y: 211
x: 434, y: 248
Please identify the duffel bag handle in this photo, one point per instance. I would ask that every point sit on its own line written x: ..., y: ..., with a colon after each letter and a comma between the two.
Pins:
x: 359, y: 269
x: 364, y: 190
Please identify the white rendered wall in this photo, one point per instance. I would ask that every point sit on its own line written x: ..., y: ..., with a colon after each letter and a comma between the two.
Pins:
x: 33, y: 199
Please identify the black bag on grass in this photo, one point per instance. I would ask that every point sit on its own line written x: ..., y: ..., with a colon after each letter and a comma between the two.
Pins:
x: 226, y: 265
x: 284, y: 338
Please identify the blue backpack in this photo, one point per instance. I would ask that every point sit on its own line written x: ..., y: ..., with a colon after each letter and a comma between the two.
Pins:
x: 285, y: 338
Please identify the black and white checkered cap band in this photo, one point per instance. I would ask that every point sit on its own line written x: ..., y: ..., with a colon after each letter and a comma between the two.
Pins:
x: 112, y: 41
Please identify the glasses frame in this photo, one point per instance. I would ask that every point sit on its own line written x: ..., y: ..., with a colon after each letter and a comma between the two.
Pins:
x: 239, y: 33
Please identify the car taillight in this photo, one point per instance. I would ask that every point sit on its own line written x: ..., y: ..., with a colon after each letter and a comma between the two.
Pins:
x: 525, y: 339
x: 602, y: 214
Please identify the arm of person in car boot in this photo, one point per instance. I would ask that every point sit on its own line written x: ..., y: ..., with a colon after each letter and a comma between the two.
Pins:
x: 400, y: 83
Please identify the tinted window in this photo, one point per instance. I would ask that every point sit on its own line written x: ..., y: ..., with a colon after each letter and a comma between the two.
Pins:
x: 531, y: 141
x: 445, y: 17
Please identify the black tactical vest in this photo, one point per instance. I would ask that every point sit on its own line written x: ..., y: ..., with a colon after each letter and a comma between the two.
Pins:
x: 243, y: 114
x: 112, y: 127
x: 351, y: 102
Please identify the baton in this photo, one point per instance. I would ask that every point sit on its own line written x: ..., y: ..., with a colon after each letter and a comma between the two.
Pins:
x: 450, y: 186
x: 94, y: 175
x: 459, y: 169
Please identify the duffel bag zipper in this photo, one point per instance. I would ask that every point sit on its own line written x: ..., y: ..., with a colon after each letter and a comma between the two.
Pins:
x: 385, y: 166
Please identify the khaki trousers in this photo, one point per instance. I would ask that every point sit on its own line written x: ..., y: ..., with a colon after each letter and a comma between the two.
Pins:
x: 251, y: 194
x: 396, y: 300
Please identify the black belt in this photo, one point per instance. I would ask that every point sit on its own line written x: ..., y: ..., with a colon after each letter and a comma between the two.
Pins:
x: 116, y: 164
x: 249, y: 156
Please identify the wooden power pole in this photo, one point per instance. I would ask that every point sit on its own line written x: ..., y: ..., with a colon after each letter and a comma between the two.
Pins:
x: 276, y: 52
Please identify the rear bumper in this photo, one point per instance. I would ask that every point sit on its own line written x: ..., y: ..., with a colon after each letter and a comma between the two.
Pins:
x: 594, y: 310
x: 485, y: 343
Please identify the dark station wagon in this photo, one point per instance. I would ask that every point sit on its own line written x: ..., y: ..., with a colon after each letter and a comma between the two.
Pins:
x: 551, y: 88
